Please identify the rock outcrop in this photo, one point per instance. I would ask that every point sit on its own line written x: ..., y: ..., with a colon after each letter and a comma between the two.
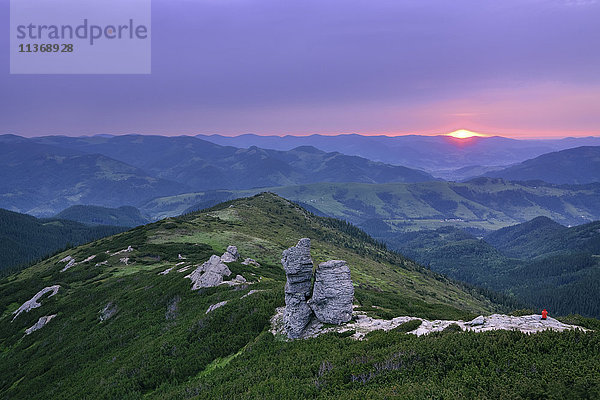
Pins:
x: 40, y: 324
x: 209, y: 274
x: 215, y: 306
x: 363, y: 324
x: 108, y: 311
x: 251, y: 261
x: 230, y: 255
x: 33, y: 303
x: 298, y: 269
x: 333, y: 293
x: 69, y: 265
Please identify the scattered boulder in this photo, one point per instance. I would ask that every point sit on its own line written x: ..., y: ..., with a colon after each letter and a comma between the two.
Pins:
x: 215, y: 306
x: 239, y: 278
x: 108, y: 311
x: 251, y: 292
x: 333, y: 293
x: 477, y: 321
x: 129, y: 249
x: 102, y: 263
x: 230, y: 255
x: 209, y: 274
x: 180, y: 257
x: 298, y: 269
x: 71, y: 262
x: 40, y: 323
x: 67, y: 259
x: 124, y: 260
x: 250, y: 261
x: 90, y: 258
x: 33, y: 303
x: 69, y: 265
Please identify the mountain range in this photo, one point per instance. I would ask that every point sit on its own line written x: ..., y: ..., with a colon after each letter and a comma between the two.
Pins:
x: 442, y: 156
x: 45, y: 175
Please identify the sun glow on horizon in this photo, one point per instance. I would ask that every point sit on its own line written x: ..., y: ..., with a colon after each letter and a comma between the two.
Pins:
x: 464, y: 134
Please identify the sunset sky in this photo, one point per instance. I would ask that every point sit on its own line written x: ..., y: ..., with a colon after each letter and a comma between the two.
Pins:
x: 518, y: 68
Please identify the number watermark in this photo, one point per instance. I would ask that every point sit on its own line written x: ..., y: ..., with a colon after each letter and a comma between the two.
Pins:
x: 80, y: 37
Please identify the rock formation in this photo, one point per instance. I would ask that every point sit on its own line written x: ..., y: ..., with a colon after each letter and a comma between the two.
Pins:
x: 209, y: 274
x: 230, y: 255
x: 39, y: 324
x: 69, y: 265
x: 332, y: 293
x: 250, y: 261
x: 33, y: 303
x: 108, y: 311
x: 363, y: 324
x: 215, y: 306
x: 298, y: 269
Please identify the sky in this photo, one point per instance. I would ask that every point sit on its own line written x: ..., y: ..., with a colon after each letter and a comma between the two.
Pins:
x: 517, y: 68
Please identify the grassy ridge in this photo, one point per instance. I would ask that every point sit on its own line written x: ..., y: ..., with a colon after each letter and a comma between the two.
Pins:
x: 160, y: 335
x: 483, y: 204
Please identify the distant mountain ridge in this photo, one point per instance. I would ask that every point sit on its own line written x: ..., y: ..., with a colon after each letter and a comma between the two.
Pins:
x: 435, y: 154
x: 204, y: 165
x: 126, y: 216
x: 579, y: 165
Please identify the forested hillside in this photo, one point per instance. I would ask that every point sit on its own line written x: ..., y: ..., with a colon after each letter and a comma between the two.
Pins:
x: 24, y: 238
x: 540, y: 262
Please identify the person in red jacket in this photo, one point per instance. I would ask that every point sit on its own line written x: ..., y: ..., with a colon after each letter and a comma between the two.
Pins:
x: 544, y: 314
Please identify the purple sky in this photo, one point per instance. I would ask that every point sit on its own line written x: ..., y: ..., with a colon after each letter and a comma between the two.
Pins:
x: 520, y: 68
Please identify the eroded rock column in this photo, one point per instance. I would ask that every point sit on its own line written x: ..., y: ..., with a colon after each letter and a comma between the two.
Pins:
x: 333, y: 293
x: 298, y: 269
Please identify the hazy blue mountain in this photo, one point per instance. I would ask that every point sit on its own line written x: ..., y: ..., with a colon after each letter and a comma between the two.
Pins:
x: 42, y: 179
x: 204, y: 165
x: 573, y: 166
x: 436, y: 154
x: 127, y: 216
x: 24, y: 238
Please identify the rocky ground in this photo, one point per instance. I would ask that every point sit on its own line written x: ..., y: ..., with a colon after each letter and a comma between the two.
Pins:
x: 362, y: 324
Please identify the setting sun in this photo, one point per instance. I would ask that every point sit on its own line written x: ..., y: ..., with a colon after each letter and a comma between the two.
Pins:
x: 464, y: 134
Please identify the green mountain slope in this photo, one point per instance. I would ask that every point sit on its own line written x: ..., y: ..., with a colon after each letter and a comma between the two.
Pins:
x: 158, y: 334
x: 127, y: 216
x: 572, y: 166
x: 542, y: 236
x: 24, y: 238
x: 483, y: 204
x: 540, y: 262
